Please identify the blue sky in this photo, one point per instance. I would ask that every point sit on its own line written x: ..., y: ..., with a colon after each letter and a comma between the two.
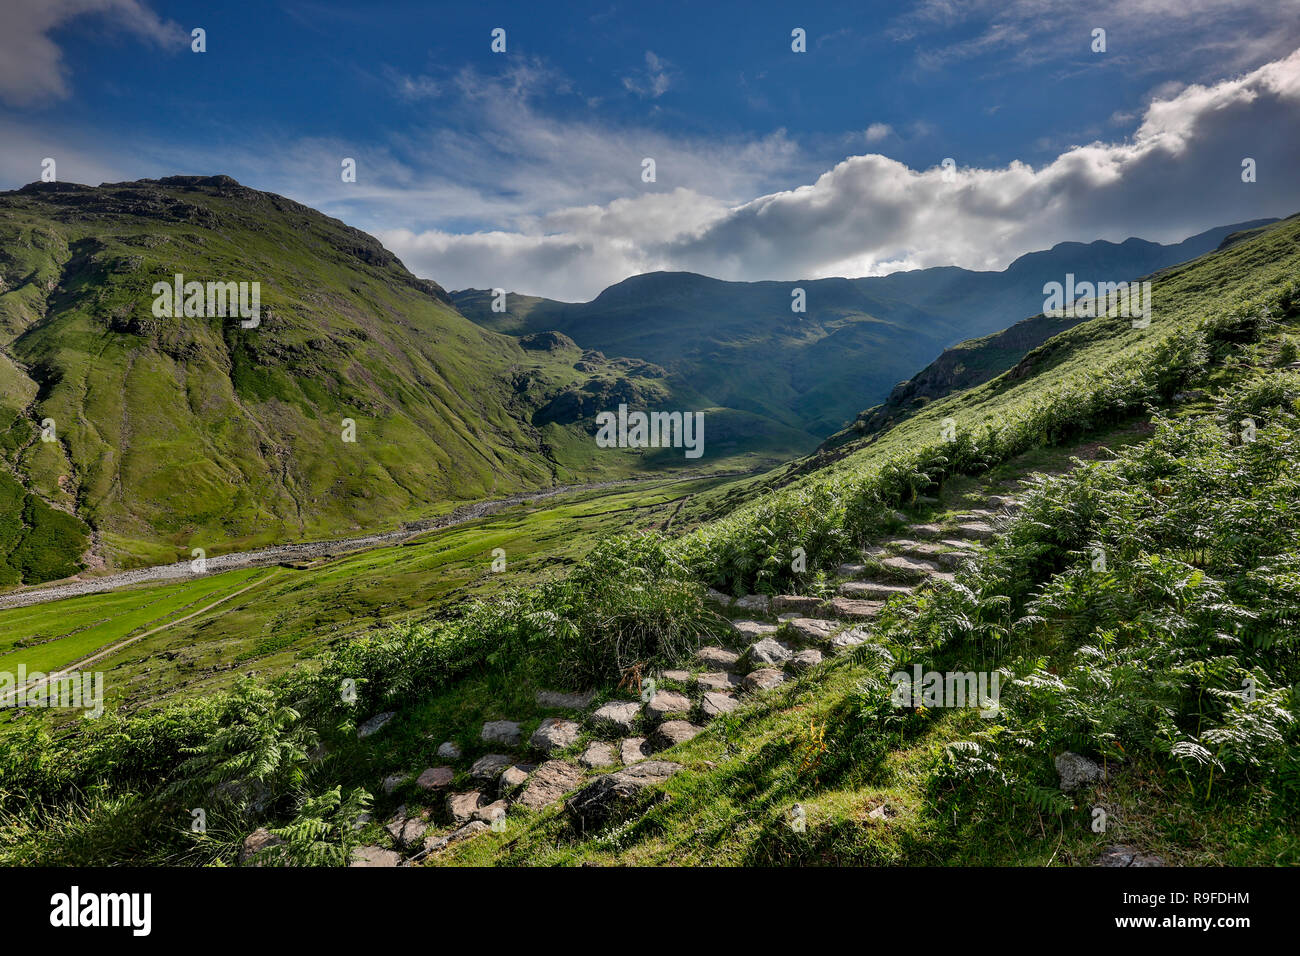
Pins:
x: 523, y: 169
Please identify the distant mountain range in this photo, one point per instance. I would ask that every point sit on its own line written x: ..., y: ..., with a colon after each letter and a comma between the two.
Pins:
x: 738, y: 345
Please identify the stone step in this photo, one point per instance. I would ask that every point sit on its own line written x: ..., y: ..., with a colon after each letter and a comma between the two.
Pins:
x: 979, y: 530
x: 961, y: 544
x: 873, y: 590
x: 797, y: 603
x: 910, y: 569
x: 856, y: 609
x: 925, y: 531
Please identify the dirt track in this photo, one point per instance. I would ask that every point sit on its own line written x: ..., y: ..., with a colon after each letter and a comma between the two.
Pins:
x: 286, y: 552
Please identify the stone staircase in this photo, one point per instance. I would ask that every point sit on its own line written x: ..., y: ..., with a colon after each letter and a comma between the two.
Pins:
x: 603, y: 758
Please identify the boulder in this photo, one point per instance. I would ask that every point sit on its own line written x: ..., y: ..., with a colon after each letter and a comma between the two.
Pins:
x: 716, y: 704
x: 375, y: 856
x: 1077, y: 771
x: 764, y: 678
x: 666, y: 702
x: 489, y: 766
x: 718, y: 657
x: 501, y: 732
x: 632, y: 750
x: 462, y: 806
x: 374, y: 724
x: 718, y: 680
x: 563, y: 701
x: 1127, y: 856
x: 753, y: 602
x: 257, y: 842
x: 811, y: 630
x: 405, y: 829
x: 449, y: 751
x: 797, y: 603
x: 393, y: 781
x: 435, y: 778
x: 769, y: 652
x: 748, y: 631
x: 671, y: 733
x: 555, y: 733
x: 512, y: 778
x: 804, y: 660
x: 433, y: 844
x: 611, y: 794
x: 619, y: 716
x: 598, y: 754
x: 549, y: 782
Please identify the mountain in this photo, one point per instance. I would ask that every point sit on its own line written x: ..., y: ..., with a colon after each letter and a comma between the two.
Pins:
x: 739, y: 345
x: 163, y: 434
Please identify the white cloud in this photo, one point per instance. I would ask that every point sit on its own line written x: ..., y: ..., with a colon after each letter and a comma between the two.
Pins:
x: 1177, y: 174
x: 652, y: 82
x: 878, y: 131
x: 32, y: 70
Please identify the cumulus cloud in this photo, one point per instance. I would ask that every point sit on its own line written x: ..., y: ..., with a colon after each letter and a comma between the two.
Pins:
x: 32, y: 70
x: 878, y: 131
x: 1178, y: 173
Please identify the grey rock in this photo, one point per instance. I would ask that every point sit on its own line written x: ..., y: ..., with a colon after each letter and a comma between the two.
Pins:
x: 619, y: 715
x: 393, y: 781
x: 435, y: 778
x: 259, y: 841
x: 632, y: 750
x: 374, y: 724
x: 449, y: 751
x: 769, y: 652
x: 611, y: 794
x: 764, y: 679
x: 811, y: 630
x: 489, y: 766
x: 718, y: 680
x: 598, y: 754
x: 671, y: 733
x: 474, y: 827
x: 666, y: 702
x: 462, y: 806
x: 1077, y: 771
x: 747, y: 631
x: 753, y: 602
x: 563, y: 701
x: 549, y: 783
x: 798, y: 603
x: 718, y: 657
x: 804, y: 660
x: 501, y: 732
x: 1127, y: 856
x: 375, y: 856
x: 512, y: 778
x: 716, y: 704
x: 555, y: 733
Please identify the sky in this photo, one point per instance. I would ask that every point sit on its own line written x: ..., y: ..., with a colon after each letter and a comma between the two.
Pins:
x: 524, y: 169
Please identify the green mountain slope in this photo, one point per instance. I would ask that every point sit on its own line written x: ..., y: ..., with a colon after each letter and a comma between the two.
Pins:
x: 739, y: 345
x: 195, y: 432
x: 1165, y: 673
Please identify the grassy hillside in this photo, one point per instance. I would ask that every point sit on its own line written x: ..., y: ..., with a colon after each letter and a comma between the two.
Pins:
x: 175, y: 433
x: 1165, y: 671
